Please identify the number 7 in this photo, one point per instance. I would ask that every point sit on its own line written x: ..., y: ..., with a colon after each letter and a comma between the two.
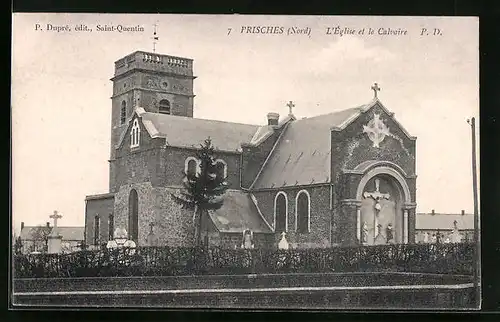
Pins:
x: 229, y: 31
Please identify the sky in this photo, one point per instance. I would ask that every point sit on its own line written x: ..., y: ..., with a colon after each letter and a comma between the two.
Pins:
x: 61, y: 88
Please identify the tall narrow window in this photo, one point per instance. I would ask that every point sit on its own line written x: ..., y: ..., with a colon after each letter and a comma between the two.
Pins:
x: 135, y: 134
x: 133, y: 216
x: 123, y: 113
x: 164, y: 107
x: 111, y: 226
x: 96, y: 229
x: 280, y: 212
x: 303, y: 212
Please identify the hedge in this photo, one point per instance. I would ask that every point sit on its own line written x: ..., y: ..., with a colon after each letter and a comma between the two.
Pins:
x: 176, y: 261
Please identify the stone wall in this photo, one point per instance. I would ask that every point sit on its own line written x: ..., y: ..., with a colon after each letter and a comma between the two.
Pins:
x: 321, y: 215
x: 171, y: 172
x: 172, y: 225
x: 139, y: 164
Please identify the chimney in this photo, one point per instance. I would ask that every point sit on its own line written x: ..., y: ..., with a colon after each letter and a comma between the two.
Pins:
x: 463, y: 212
x: 48, y: 224
x: 433, y: 213
x: 22, y: 225
x: 272, y: 118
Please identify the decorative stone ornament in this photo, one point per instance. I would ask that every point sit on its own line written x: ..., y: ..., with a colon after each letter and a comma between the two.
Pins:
x: 121, y: 241
x: 376, y: 130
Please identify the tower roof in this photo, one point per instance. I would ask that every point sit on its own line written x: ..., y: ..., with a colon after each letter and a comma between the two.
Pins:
x: 159, y: 63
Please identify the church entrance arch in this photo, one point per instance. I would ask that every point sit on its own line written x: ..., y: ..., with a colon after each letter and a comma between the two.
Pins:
x: 381, y: 217
x: 133, y: 215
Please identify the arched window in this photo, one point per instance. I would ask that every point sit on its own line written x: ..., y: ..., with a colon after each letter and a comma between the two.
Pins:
x: 302, y: 212
x: 280, y: 212
x: 133, y: 216
x: 221, y: 168
x: 123, y: 113
x: 164, y: 107
x: 191, y: 166
x: 111, y: 226
x: 97, y: 222
x: 135, y: 134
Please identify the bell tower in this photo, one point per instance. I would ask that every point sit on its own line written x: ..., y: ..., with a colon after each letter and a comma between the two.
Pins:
x: 158, y: 83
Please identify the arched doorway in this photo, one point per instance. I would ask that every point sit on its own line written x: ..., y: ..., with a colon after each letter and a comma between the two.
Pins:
x: 382, y: 218
x: 133, y: 216
x: 381, y: 212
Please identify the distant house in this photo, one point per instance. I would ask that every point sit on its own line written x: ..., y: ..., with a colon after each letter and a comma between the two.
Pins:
x: 34, y: 238
x: 433, y: 223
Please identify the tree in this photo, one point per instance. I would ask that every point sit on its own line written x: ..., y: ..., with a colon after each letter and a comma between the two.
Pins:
x: 202, y: 190
x: 18, y: 246
x: 40, y: 236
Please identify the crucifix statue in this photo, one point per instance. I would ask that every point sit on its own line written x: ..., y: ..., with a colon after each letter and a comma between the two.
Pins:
x: 375, y: 89
x: 290, y: 106
x: 55, y: 216
x: 377, y: 196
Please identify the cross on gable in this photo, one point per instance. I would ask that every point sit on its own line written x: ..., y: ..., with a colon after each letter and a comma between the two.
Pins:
x: 376, y: 195
x: 290, y: 106
x: 375, y: 89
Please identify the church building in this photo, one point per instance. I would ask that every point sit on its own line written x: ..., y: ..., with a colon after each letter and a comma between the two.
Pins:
x: 342, y: 178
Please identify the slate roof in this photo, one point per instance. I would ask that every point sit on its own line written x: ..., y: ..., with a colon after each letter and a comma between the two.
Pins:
x: 303, y: 153
x: 238, y: 213
x: 181, y: 131
x: 426, y: 221
x: 68, y: 233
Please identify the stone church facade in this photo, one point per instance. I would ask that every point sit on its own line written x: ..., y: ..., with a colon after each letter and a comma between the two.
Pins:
x: 342, y: 178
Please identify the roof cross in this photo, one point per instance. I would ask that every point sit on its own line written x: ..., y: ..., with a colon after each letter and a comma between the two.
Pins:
x: 375, y: 89
x: 290, y: 106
